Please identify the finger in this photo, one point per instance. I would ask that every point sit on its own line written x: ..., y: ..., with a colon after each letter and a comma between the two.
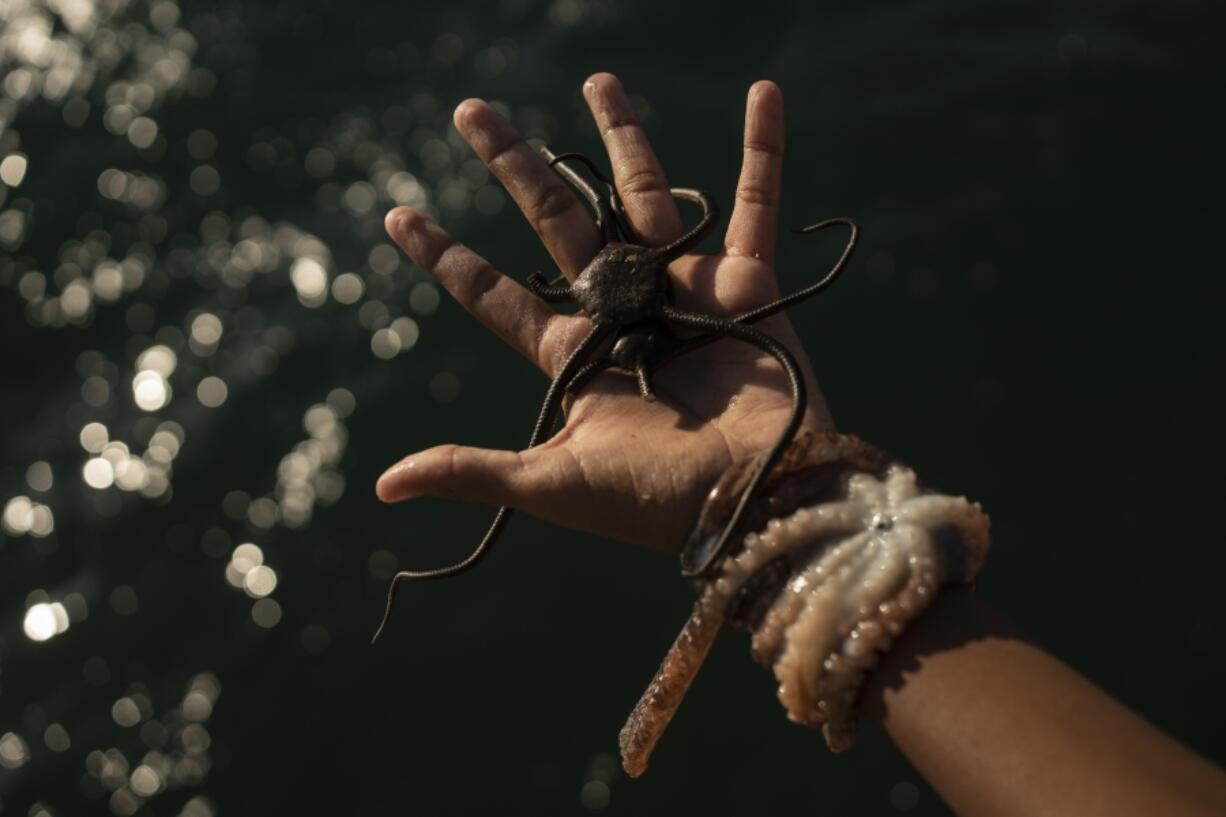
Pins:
x: 551, y: 207
x: 639, y: 177
x: 457, y: 472
x: 543, y: 481
x: 754, y: 223
x: 512, y: 312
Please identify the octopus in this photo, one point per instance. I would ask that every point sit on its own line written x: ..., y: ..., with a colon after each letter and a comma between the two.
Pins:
x: 842, y: 549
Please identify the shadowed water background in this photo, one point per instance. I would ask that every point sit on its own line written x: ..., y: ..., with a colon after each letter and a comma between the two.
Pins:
x: 208, y: 341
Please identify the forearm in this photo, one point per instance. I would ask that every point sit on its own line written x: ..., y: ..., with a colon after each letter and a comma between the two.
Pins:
x: 1001, y: 728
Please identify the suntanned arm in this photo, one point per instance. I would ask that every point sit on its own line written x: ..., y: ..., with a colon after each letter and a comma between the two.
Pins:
x: 1001, y: 728
x: 996, y: 725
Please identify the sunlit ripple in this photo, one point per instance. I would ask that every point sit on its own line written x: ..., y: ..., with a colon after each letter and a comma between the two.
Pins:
x: 14, y: 752
x: 44, y: 621
x: 193, y: 304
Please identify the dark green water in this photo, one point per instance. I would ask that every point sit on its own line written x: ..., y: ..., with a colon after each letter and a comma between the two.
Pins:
x: 1033, y: 319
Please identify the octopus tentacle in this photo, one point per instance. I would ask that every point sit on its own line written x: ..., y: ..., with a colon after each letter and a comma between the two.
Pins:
x: 770, y: 633
x: 855, y: 551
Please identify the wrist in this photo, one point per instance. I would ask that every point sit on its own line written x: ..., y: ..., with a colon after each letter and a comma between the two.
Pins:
x: 954, y: 620
x: 838, y: 551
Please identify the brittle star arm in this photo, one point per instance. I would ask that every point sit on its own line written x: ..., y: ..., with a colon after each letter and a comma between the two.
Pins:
x: 691, y: 239
x: 774, y: 307
x: 606, y: 210
x: 544, y: 424
x: 700, y: 563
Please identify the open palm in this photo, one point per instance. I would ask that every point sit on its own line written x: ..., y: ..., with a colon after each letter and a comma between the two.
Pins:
x: 621, y: 466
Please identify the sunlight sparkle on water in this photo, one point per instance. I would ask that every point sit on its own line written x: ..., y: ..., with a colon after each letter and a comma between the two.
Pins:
x: 184, y: 302
x: 212, y: 391
x: 150, y: 390
x: 98, y: 473
x: 13, y: 169
x: 45, y: 620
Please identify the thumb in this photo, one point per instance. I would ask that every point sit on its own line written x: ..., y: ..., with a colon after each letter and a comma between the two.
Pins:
x: 458, y: 472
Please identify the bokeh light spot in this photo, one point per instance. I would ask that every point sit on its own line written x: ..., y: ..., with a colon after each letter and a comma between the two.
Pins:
x: 347, y: 288
x: 44, y: 621
x: 150, y: 390
x: 94, y: 437
x: 13, y: 751
x: 39, y: 477
x: 424, y: 298
x: 98, y: 473
x: 594, y: 794
x: 205, y: 180
x: 310, y: 280
x: 13, y: 169
x: 212, y: 392
x: 266, y: 613
x: 385, y: 344
x: 260, y: 581
x: 56, y: 737
x: 124, y: 601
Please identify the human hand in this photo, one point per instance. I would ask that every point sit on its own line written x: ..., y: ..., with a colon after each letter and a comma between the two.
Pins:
x: 621, y: 467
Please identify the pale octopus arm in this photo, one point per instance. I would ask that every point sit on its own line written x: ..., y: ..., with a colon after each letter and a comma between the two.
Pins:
x: 876, y: 562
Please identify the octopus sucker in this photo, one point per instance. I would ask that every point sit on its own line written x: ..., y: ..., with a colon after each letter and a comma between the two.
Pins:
x: 840, y: 551
x: 810, y: 583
